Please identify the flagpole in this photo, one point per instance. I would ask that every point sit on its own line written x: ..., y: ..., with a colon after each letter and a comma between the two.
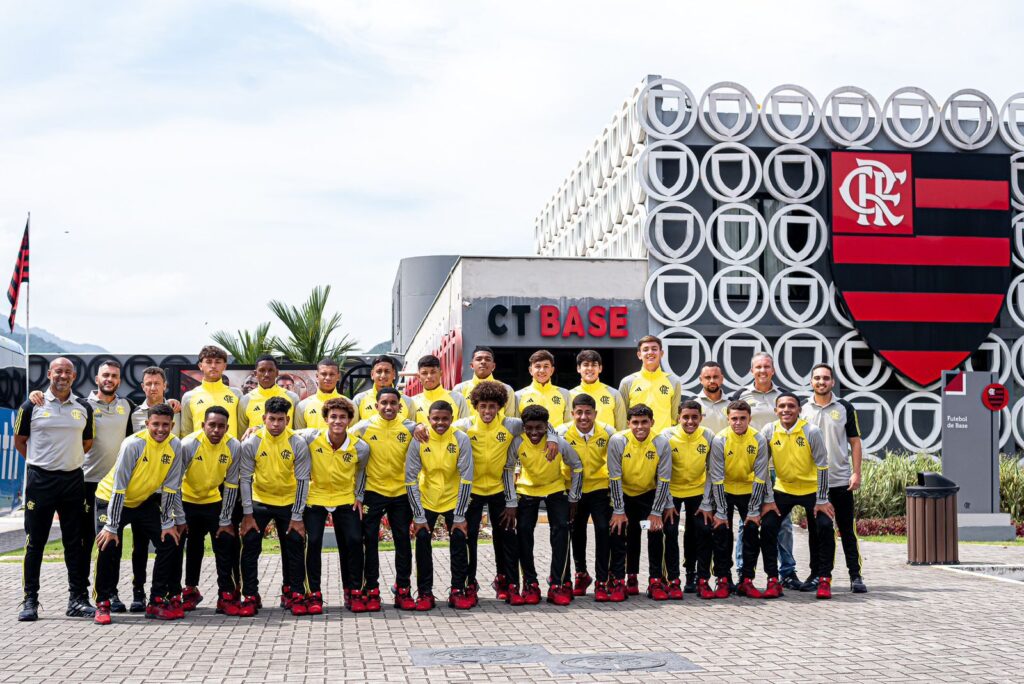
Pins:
x: 28, y: 323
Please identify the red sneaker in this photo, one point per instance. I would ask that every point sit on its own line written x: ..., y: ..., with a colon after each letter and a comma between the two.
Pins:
x: 500, y: 585
x: 315, y: 603
x: 567, y: 590
x: 259, y: 601
x: 655, y: 590
x: 372, y: 600
x: 102, y: 616
x: 773, y: 590
x: 473, y: 592
x: 248, y: 607
x: 190, y: 599
x: 531, y: 594
x: 618, y: 591
x: 357, y: 603
x: 632, y: 585
x: 513, y: 597
x: 722, y: 588
x: 227, y: 604
x: 583, y: 581
x: 675, y: 590
x: 160, y: 609
x: 297, y: 604
x: 425, y: 602
x: 746, y: 588
x: 824, y: 588
x: 459, y: 599
x: 557, y: 595
x: 601, y: 593
x: 704, y: 590
x: 403, y: 599
x: 286, y: 597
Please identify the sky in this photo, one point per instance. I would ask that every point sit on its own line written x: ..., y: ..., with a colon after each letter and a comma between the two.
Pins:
x: 186, y: 162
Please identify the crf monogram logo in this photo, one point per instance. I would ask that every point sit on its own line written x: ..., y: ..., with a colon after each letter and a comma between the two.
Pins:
x: 868, y: 190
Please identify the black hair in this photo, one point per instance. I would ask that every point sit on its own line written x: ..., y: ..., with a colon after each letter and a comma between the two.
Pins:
x: 482, y: 348
x: 327, y: 361
x: 711, y: 364
x: 534, y: 412
x: 584, y: 399
x: 388, y: 390
x: 591, y: 355
x: 217, y: 410
x: 441, y: 405
x: 267, y: 357
x: 690, y: 404
x: 160, y: 410
x: 428, y: 361
x: 787, y: 394
x: 384, y: 358
x: 640, y: 410
x: 277, y: 405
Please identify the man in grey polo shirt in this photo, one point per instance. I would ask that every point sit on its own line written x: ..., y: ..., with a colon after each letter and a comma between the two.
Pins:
x: 713, y: 402
x: 53, y: 438
x: 154, y: 384
x: 837, y: 420
x: 762, y: 395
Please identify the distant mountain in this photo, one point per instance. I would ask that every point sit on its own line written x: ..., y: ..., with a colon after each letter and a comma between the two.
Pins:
x: 380, y: 348
x: 44, y: 342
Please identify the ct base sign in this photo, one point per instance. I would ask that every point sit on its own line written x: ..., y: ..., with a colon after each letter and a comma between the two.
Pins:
x: 970, y: 456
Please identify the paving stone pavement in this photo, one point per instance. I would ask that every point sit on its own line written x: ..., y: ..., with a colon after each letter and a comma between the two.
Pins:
x: 916, y: 624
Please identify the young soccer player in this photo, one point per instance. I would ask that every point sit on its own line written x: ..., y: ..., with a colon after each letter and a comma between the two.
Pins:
x: 383, y: 373
x: 652, y: 386
x: 611, y: 409
x: 252, y: 405
x: 639, y: 473
x: 540, y: 480
x: 428, y: 369
x: 483, y: 367
x: 310, y: 411
x: 542, y: 392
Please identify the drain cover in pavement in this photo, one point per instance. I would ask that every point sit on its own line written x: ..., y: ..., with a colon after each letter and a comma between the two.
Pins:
x: 479, y: 655
x: 619, y: 662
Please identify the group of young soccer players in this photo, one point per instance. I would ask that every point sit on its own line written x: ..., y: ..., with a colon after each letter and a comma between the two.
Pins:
x: 640, y: 458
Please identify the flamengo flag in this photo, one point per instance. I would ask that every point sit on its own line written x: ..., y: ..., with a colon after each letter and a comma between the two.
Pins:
x: 921, y: 252
x: 20, y: 276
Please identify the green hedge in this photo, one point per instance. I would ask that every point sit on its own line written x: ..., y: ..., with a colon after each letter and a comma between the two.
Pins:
x: 883, y: 488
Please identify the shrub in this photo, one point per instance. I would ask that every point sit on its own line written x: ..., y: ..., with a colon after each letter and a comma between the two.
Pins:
x: 1011, y: 487
x: 884, y: 483
x: 873, y: 527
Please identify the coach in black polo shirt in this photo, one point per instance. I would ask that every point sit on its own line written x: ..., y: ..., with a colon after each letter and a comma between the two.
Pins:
x: 53, y: 438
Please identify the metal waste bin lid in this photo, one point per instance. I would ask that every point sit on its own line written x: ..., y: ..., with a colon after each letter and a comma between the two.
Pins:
x: 932, y: 486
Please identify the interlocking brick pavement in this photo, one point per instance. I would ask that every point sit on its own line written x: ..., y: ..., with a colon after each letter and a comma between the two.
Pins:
x: 916, y: 624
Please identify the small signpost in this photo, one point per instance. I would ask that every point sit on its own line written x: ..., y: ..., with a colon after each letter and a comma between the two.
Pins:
x: 971, y: 402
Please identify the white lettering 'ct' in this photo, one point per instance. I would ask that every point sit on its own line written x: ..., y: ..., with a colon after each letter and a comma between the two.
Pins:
x: 881, y: 201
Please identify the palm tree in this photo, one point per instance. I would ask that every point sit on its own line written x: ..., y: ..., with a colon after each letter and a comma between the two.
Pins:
x: 311, y: 330
x: 245, y: 347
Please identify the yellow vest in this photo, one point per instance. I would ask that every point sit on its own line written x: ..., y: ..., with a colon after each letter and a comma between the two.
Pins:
x: 207, y: 470
x: 689, y: 460
x: 333, y: 471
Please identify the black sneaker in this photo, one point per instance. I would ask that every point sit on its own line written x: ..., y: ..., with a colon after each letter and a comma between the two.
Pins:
x: 791, y: 581
x: 79, y: 606
x: 857, y: 585
x: 810, y: 584
x: 29, y: 610
x: 691, y: 584
x: 116, y: 605
x: 138, y: 602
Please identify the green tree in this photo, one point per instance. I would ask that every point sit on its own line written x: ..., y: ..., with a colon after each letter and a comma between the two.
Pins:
x: 311, y: 331
x: 245, y: 346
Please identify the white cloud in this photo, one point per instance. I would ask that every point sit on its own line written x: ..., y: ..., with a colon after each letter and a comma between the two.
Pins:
x: 228, y: 154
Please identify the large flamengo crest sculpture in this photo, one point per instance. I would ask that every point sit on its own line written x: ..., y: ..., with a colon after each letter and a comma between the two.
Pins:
x: 884, y: 236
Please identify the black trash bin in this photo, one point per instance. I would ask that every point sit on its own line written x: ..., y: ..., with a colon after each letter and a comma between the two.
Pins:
x: 931, y: 521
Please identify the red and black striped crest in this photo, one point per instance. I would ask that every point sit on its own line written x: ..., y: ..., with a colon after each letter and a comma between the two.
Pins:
x: 921, y: 252
x: 20, y: 276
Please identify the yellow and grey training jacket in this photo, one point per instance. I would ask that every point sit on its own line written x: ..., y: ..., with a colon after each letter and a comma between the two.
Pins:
x: 207, y: 466
x: 800, y: 460
x: 144, y: 467
x: 490, y: 442
x: 636, y: 467
x: 274, y: 471
x: 539, y: 476
x: 739, y: 466
x: 439, y: 474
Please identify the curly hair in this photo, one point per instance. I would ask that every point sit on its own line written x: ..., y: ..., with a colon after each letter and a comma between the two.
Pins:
x: 489, y: 390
